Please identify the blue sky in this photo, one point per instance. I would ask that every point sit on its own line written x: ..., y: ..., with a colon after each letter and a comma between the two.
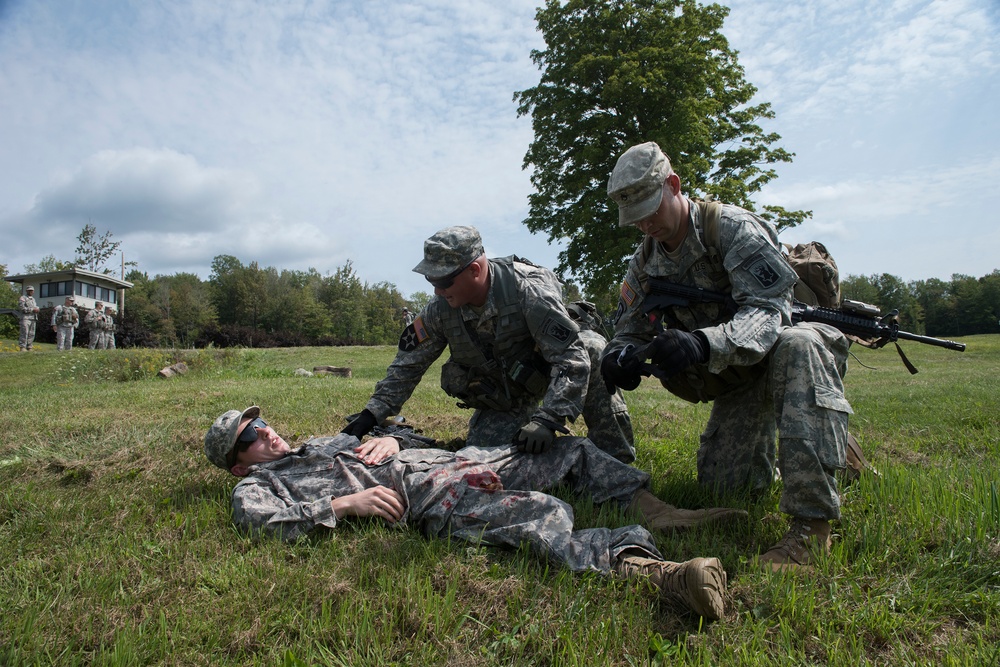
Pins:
x: 307, y: 134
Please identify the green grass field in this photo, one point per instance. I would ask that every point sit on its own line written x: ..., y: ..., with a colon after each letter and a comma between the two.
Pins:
x: 116, y: 546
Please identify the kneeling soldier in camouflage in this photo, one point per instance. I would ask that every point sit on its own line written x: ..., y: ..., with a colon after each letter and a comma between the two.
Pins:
x: 518, y: 358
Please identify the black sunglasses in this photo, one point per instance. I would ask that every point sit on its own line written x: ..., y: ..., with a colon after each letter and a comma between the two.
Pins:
x: 247, y: 437
x: 449, y: 280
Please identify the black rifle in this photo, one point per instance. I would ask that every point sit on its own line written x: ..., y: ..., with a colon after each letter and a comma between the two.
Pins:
x: 861, y: 320
x: 397, y: 425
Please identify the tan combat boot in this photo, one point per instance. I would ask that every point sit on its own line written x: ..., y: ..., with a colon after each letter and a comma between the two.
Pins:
x: 657, y: 515
x: 857, y: 464
x: 798, y: 548
x: 698, y: 584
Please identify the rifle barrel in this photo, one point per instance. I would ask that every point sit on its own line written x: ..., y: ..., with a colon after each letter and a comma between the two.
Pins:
x: 939, y: 342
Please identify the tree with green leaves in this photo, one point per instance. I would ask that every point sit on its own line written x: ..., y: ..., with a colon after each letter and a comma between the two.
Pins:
x: 8, y: 299
x: 616, y: 73
x: 95, y: 250
x: 48, y: 264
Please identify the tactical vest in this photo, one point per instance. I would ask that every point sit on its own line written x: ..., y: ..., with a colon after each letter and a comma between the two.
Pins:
x: 697, y: 384
x: 503, y: 374
x: 65, y: 315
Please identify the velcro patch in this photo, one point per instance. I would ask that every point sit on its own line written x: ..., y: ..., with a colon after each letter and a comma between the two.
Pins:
x: 557, y: 330
x: 763, y: 272
x: 413, y: 335
x: 628, y: 294
x: 619, y: 311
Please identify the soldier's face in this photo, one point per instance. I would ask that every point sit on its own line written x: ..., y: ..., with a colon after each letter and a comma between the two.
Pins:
x: 269, y: 446
x: 463, y: 291
x: 668, y: 224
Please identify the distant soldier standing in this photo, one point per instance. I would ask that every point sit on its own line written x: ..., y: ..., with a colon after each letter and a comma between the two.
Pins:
x: 94, y: 320
x: 29, y: 318
x: 408, y: 317
x: 109, y: 328
x: 65, y: 320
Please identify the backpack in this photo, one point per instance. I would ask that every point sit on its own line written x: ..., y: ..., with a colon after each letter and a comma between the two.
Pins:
x: 587, y: 316
x: 819, y: 278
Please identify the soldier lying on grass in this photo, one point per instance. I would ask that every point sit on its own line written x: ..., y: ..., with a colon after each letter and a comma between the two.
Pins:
x: 470, y: 495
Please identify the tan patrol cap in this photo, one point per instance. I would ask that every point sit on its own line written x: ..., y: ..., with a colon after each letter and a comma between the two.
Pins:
x: 636, y: 183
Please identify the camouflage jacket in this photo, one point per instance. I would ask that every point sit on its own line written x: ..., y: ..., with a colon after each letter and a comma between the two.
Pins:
x: 65, y: 316
x: 748, y: 265
x: 94, y: 319
x: 26, y: 304
x: 523, y: 317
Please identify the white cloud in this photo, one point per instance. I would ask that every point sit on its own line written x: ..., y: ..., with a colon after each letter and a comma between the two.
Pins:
x: 142, y: 190
x: 307, y: 133
x: 822, y: 59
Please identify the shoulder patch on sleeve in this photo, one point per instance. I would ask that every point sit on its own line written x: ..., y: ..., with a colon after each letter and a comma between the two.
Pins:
x: 557, y: 330
x: 413, y: 335
x: 763, y: 272
x: 628, y: 293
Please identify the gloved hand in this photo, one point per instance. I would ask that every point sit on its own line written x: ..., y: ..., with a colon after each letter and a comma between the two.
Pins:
x: 534, y: 437
x: 361, y: 424
x: 674, y: 350
x: 627, y: 374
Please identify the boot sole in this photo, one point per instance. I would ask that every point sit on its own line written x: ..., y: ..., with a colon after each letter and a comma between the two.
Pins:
x: 706, y: 584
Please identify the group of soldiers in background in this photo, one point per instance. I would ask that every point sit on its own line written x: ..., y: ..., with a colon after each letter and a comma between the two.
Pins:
x: 65, y: 322
x: 102, y: 327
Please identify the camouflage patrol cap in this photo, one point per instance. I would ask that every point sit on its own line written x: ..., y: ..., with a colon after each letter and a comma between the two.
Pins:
x: 221, y: 437
x: 450, y: 250
x: 29, y: 288
x: 636, y: 184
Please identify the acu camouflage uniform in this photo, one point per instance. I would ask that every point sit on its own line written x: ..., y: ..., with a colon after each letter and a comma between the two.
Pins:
x: 95, y: 321
x: 519, y: 356
x: 108, y: 332
x: 462, y: 495
x: 29, y: 321
x: 762, y: 373
x: 66, y: 319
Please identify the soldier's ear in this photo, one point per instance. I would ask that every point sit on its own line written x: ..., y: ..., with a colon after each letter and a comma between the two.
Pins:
x: 240, y: 470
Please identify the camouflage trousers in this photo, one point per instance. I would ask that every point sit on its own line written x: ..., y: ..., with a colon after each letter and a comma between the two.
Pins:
x: 802, y: 396
x: 572, y: 462
x: 64, y: 337
x: 609, y: 426
x: 464, y: 500
x: 26, y: 333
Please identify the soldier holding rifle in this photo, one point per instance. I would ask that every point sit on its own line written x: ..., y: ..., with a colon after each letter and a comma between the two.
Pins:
x: 761, y: 373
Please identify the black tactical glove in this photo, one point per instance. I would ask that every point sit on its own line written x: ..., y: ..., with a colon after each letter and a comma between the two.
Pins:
x: 674, y: 350
x: 361, y: 425
x: 536, y: 436
x: 622, y: 369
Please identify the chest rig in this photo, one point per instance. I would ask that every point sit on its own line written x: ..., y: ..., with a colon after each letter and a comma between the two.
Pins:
x: 697, y: 384
x: 501, y: 371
